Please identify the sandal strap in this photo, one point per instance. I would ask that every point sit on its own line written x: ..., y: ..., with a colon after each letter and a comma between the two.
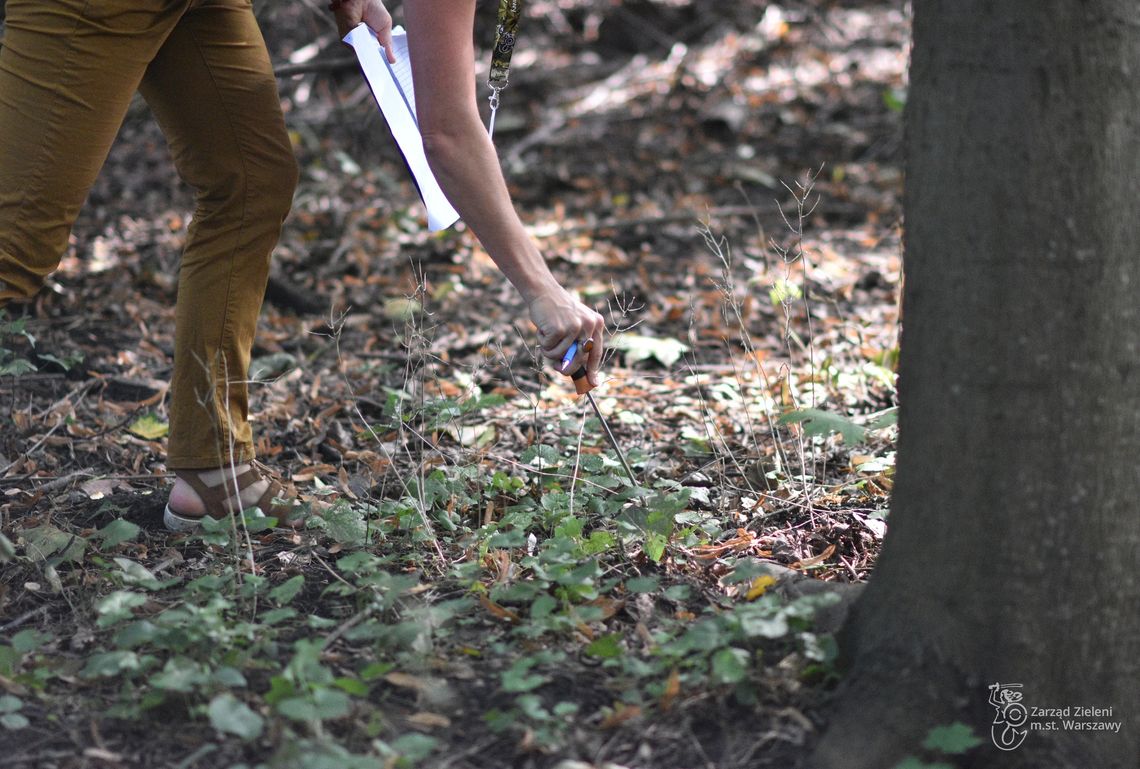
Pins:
x: 266, y: 504
x: 277, y: 501
x: 219, y: 500
x: 213, y: 497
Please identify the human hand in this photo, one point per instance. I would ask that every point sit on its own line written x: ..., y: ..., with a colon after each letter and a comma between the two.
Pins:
x: 349, y: 13
x: 562, y: 320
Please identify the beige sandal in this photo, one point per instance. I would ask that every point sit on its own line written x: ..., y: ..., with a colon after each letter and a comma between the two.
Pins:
x: 219, y: 500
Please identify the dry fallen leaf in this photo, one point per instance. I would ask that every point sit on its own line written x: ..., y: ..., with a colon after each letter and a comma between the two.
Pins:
x: 313, y: 471
x: 98, y: 488
x: 620, y: 715
x: 426, y: 720
x: 609, y: 606
x: 499, y: 562
x: 815, y: 560
x: 402, y: 308
x: 497, y: 610
x: 744, y: 541
x: 405, y: 681
x: 672, y: 689
x: 149, y: 427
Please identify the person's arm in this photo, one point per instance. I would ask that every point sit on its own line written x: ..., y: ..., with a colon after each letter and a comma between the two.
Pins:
x: 464, y: 162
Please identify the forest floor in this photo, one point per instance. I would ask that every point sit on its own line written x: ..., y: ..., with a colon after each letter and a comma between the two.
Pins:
x: 488, y: 589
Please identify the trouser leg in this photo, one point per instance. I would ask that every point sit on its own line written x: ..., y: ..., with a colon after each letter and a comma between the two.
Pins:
x: 212, y: 89
x: 68, y: 70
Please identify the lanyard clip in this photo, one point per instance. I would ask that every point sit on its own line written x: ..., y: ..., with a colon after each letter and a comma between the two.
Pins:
x: 493, y: 99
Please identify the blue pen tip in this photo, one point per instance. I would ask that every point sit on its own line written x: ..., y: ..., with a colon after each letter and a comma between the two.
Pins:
x: 569, y: 356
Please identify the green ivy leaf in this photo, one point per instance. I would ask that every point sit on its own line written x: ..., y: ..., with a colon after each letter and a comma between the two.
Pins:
x: 359, y: 562
x: 375, y: 670
x: 135, y: 634
x: 570, y: 527
x: 353, y: 686
x: 911, y: 762
x: 116, y: 607
x: 7, y: 549
x: 13, y: 721
x: 272, y: 366
x: 730, y: 666
x: 755, y: 624
x: 230, y: 715
x: 606, y: 647
x: 563, y: 709
x: 343, y: 524
x: 116, y: 532
x: 229, y: 677
x: 287, y: 590
x: 66, y: 363
x: 885, y: 418
x: 9, y: 659
x: 29, y: 640
x: 415, y: 746
x: 701, y: 636
x: 541, y: 456
x: 518, y: 678
x: 280, y: 688
x: 895, y: 99
x: 816, y: 422
x: 655, y: 546
x: 110, y: 664
x: 599, y: 542
x: 543, y: 606
x: 324, y: 703
x: 179, y: 675
x: 47, y: 540
x: 273, y: 616
x: 531, y: 707
x: 953, y: 739
x: 134, y: 573
x: 642, y: 584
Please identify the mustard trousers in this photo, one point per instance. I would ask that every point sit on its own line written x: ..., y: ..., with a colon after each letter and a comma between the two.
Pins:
x: 68, y: 70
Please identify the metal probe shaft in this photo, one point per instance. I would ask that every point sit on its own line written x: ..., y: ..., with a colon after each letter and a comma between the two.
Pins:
x: 583, y: 387
x: 612, y: 439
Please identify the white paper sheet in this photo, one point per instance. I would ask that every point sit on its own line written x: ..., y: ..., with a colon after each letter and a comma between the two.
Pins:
x: 391, y: 84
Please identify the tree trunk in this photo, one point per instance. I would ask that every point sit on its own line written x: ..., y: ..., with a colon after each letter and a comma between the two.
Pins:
x: 1014, y: 541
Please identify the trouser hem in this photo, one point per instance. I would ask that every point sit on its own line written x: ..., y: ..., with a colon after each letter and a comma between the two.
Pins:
x: 241, y: 454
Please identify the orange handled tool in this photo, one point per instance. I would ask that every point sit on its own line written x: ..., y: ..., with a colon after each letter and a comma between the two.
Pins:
x: 582, y: 386
x: 581, y: 382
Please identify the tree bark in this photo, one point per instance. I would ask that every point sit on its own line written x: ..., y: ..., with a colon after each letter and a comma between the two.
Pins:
x: 1014, y: 534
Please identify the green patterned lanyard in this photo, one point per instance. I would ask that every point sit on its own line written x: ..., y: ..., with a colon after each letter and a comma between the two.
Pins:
x: 509, y: 12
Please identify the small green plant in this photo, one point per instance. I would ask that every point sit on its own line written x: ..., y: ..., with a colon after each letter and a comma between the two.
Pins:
x: 949, y: 740
x: 821, y: 423
x: 10, y: 716
x: 895, y: 99
x: 11, y: 364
